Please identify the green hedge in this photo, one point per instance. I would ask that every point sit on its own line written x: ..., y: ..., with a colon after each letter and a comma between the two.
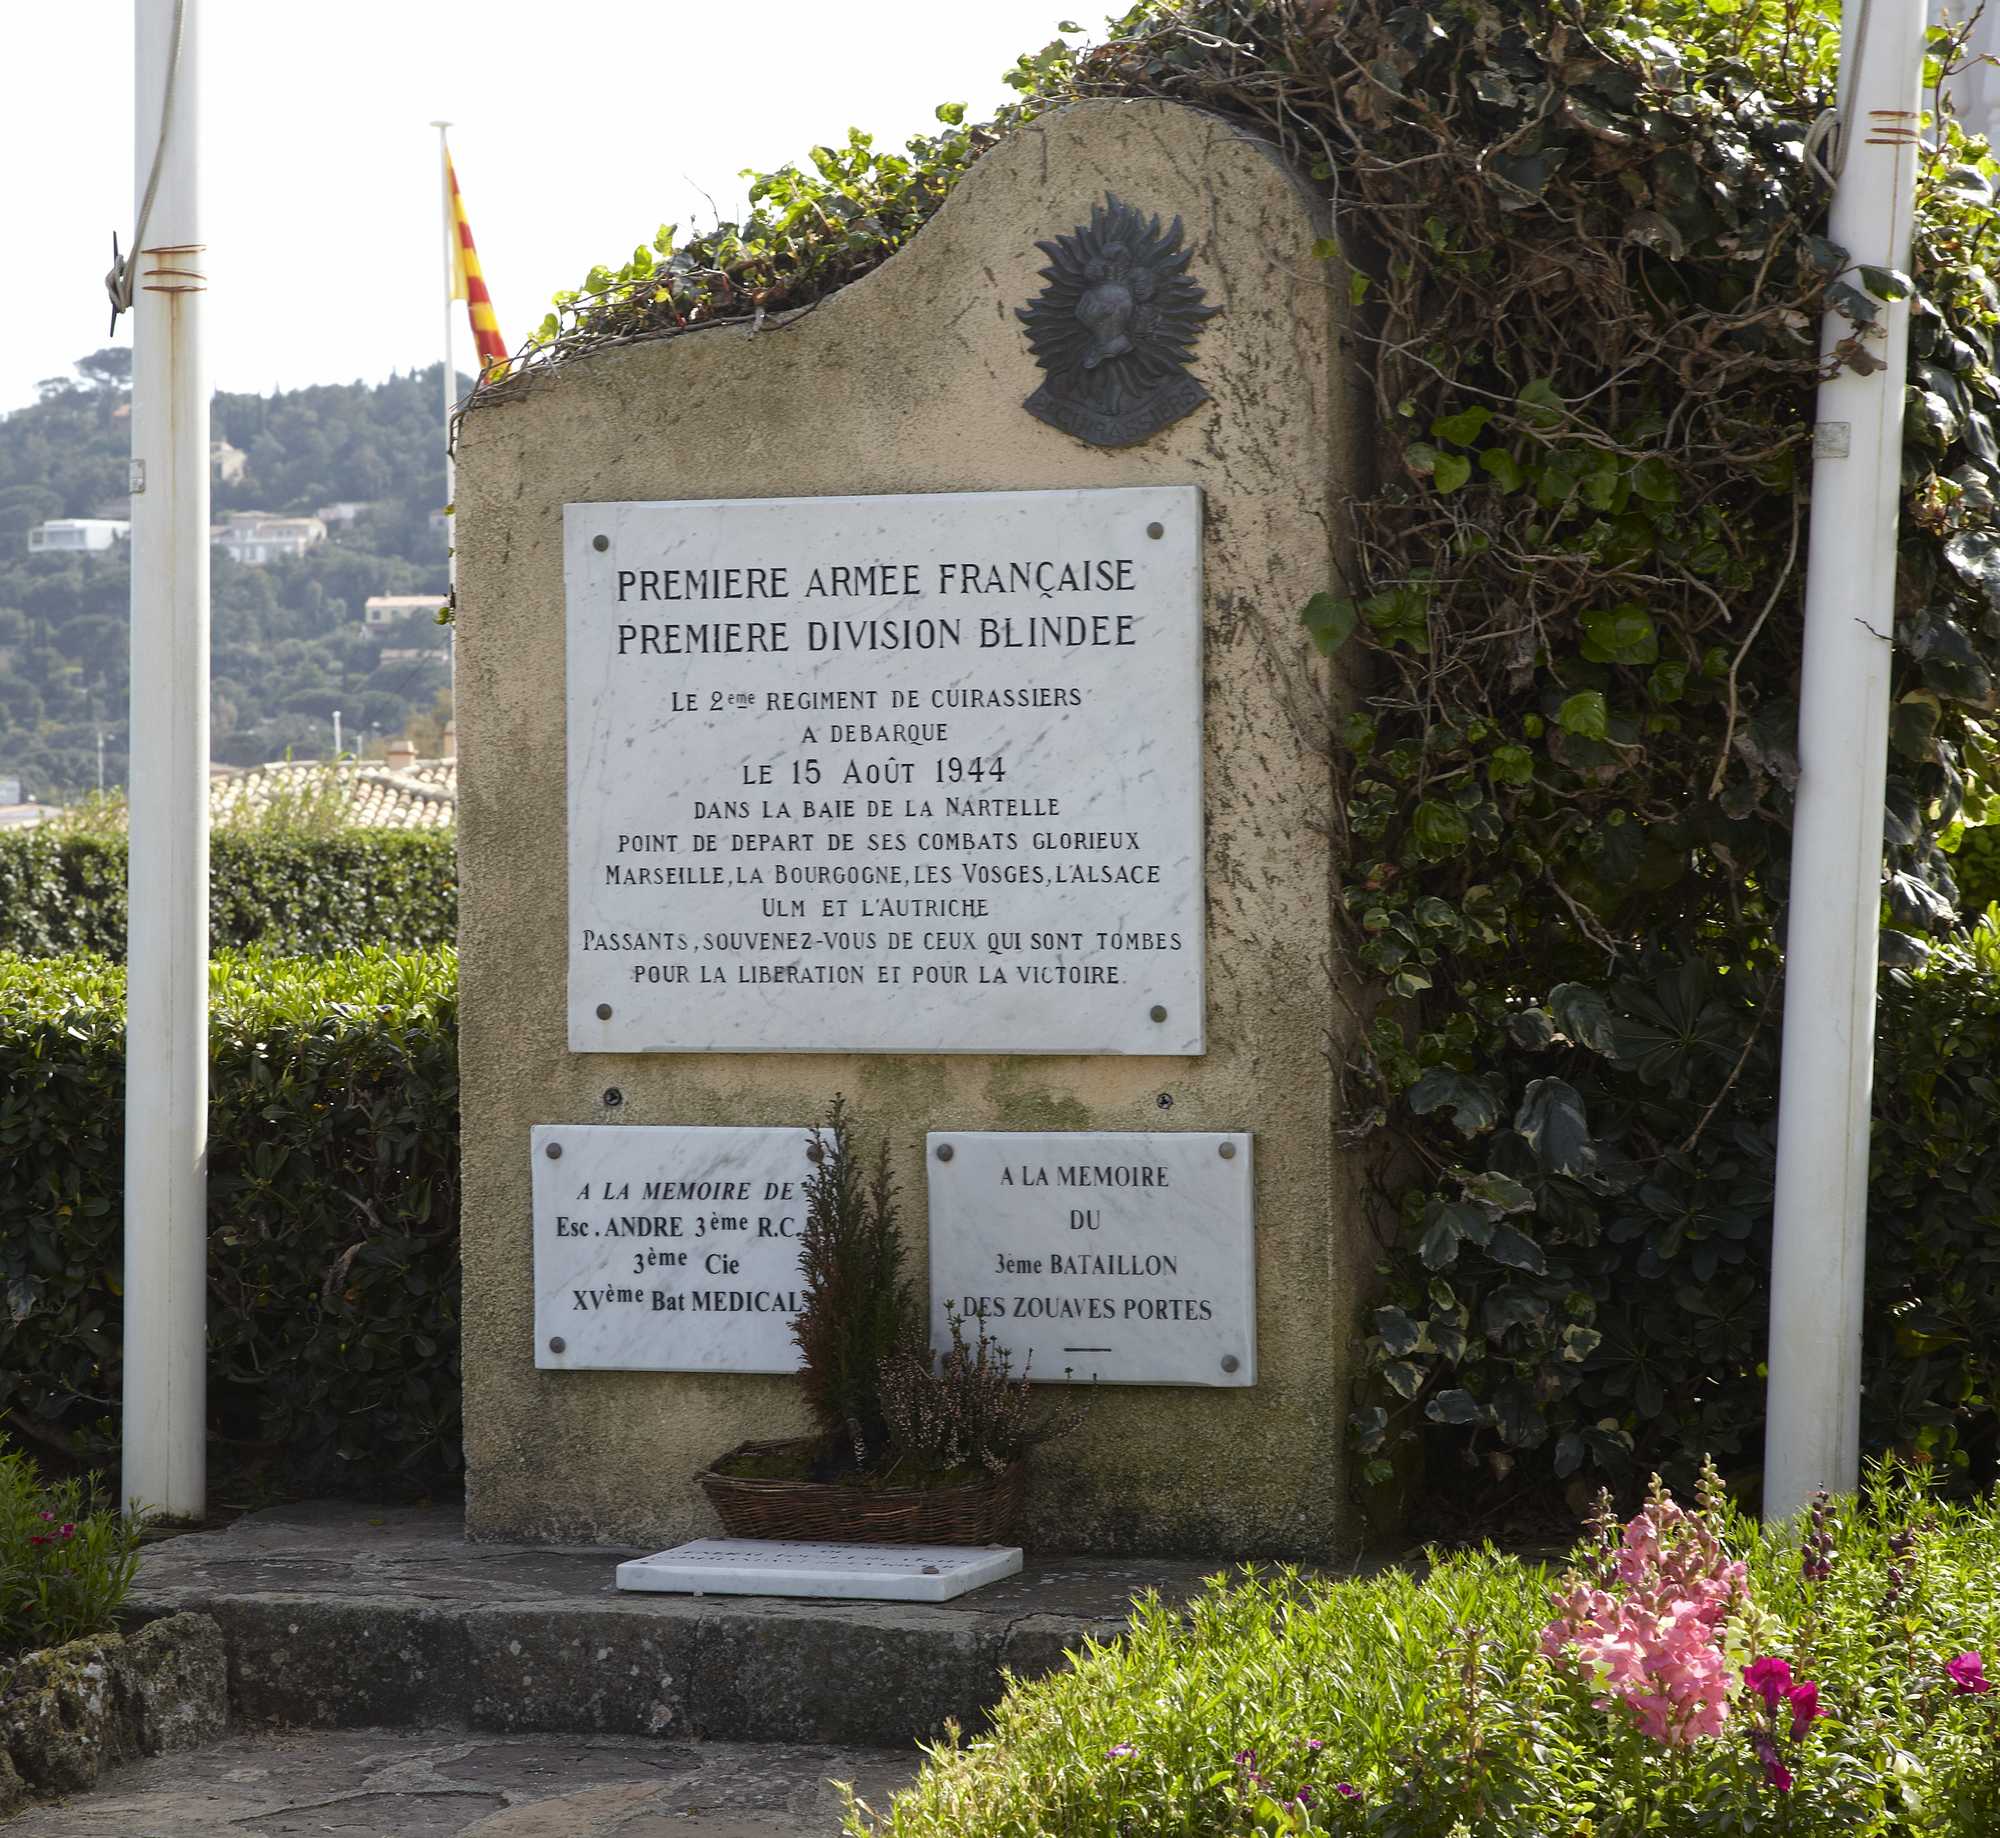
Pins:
x: 333, y: 1208
x: 302, y: 895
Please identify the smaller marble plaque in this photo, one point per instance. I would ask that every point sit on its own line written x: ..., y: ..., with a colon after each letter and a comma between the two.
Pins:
x: 1124, y: 1258
x: 667, y: 1249
x: 821, y: 1572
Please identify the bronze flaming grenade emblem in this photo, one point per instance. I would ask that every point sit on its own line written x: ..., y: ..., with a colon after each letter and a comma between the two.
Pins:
x: 1115, y: 328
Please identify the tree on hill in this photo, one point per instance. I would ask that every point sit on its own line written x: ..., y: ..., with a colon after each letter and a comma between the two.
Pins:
x: 288, y: 642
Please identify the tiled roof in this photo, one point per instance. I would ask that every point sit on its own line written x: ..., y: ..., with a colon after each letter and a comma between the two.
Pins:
x: 421, y: 796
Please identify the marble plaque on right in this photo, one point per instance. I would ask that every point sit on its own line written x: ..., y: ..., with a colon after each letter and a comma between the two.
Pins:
x: 1124, y: 1258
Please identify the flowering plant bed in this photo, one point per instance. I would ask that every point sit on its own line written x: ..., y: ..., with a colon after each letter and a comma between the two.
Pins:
x: 1690, y: 1673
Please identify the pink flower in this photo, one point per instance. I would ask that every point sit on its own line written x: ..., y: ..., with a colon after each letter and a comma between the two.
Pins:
x: 1968, y: 1675
x: 1121, y: 1748
x: 1769, y: 1678
x: 1804, y: 1698
x: 69, y: 1531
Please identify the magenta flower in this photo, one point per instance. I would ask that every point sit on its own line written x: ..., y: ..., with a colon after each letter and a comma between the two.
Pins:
x: 1304, y: 1797
x: 1776, y: 1774
x: 46, y: 1517
x: 1346, y: 1791
x: 69, y: 1531
x: 1968, y: 1675
x: 37, y: 1538
x: 1314, y: 1745
x: 1770, y: 1678
x: 1804, y: 1698
x: 1121, y: 1748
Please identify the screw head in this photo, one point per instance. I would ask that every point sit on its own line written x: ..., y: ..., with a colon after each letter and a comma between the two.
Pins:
x: 600, y: 543
x: 1227, y: 1150
x: 557, y: 1343
x: 814, y: 1153
x: 554, y: 1151
x: 1230, y: 1362
x: 1156, y: 530
x: 613, y: 1097
x: 1165, y: 1100
x: 1159, y: 1012
x: 944, y: 1152
x: 604, y: 1011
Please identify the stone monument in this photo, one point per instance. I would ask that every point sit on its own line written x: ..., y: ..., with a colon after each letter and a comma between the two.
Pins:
x: 901, y: 698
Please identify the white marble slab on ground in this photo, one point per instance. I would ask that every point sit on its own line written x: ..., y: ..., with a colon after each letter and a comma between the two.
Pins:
x: 821, y: 1572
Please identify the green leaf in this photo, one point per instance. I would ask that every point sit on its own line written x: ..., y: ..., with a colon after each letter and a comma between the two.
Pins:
x: 1398, y: 1332
x: 1886, y: 283
x: 1473, y: 1107
x: 1516, y: 1250
x: 1500, y: 1191
x: 1358, y: 285
x: 1504, y: 469
x: 1585, y: 1016
x: 1653, y: 479
x: 1551, y: 1121
x: 1331, y: 620
x: 1450, y: 470
x: 1439, y: 829
x: 1540, y: 405
x: 1454, y: 1407
x: 1510, y: 765
x: 1585, y: 714
x: 1463, y: 428
x: 1623, y: 634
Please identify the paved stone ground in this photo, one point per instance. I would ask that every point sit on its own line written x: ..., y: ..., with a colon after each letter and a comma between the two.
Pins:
x: 453, y: 1784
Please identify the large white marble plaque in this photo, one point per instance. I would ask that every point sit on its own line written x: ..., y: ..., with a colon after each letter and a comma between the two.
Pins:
x: 1089, y: 1255
x: 667, y: 1249
x: 894, y: 774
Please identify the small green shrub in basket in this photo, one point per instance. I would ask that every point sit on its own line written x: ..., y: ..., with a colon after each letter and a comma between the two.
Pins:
x: 65, y: 1566
x: 859, y: 1306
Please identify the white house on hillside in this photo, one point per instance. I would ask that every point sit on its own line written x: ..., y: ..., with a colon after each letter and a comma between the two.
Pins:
x: 257, y: 537
x: 70, y: 534
x: 388, y: 609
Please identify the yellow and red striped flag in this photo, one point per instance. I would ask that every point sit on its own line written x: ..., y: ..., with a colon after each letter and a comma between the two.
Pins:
x: 469, y: 285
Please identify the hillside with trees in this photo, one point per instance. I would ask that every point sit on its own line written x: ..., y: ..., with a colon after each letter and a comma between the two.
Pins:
x: 289, y: 643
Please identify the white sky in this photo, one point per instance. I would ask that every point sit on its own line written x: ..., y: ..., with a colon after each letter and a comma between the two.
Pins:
x: 579, y: 130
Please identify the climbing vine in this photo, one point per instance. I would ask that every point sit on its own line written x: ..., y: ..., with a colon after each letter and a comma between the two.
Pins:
x: 1584, y: 243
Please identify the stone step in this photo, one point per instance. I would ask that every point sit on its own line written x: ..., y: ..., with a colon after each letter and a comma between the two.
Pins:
x: 339, y: 1616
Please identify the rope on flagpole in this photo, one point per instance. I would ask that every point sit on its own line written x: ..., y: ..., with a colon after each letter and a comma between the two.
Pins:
x: 120, y: 281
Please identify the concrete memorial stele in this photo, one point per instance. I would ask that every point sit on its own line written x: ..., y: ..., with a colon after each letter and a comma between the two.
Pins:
x: 830, y: 724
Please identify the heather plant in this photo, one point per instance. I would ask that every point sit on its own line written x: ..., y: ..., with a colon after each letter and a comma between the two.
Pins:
x: 1689, y: 1673
x: 65, y: 1566
x: 963, y: 1408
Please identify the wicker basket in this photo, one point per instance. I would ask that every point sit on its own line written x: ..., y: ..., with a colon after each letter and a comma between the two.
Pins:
x: 981, y: 1511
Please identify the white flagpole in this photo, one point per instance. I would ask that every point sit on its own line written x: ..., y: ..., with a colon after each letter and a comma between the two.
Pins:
x: 1819, y: 1237
x: 166, y: 1031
